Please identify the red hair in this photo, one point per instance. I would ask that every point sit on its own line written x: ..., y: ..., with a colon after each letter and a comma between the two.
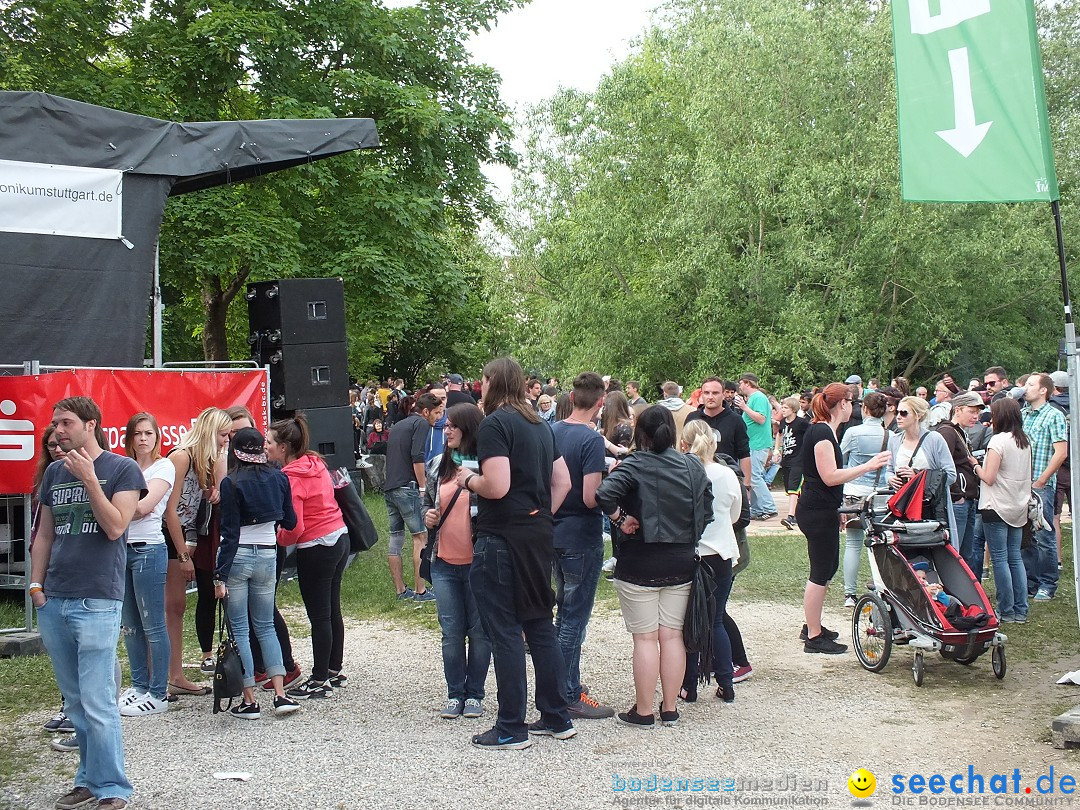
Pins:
x: 828, y: 398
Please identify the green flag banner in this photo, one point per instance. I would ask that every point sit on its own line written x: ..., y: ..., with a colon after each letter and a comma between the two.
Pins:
x: 970, y: 102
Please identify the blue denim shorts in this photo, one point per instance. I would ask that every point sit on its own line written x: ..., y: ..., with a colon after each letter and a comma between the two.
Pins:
x: 403, y: 507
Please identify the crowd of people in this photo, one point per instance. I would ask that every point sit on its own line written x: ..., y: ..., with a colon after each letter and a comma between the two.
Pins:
x: 507, y: 488
x: 116, y: 541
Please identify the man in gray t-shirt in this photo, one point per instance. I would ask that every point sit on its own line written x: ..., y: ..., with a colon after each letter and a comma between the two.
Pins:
x: 405, y: 479
x: 77, y: 585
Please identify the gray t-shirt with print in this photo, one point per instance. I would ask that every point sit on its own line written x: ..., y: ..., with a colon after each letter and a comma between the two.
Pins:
x: 85, y: 563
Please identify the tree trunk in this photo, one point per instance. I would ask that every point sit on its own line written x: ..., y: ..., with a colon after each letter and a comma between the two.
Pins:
x: 216, y: 300
x: 215, y: 340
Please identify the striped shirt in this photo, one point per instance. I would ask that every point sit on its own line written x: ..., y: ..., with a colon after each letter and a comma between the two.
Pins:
x: 1044, y: 426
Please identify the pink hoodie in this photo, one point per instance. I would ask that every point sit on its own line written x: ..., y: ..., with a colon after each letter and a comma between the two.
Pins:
x: 317, y: 513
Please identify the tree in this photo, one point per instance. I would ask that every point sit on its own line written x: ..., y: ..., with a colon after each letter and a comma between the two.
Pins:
x: 386, y: 222
x: 728, y: 200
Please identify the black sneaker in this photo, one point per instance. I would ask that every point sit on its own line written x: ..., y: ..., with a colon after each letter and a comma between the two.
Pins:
x: 588, y: 709
x: 338, y: 680
x: 310, y: 688
x: 541, y: 729
x: 789, y: 523
x: 53, y: 725
x: 826, y: 646
x: 669, y: 718
x: 246, y: 711
x: 831, y: 635
x: 283, y: 704
x: 497, y: 741
x: 632, y: 718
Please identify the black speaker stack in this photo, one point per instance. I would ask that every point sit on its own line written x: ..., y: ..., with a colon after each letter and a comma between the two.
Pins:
x: 297, y: 327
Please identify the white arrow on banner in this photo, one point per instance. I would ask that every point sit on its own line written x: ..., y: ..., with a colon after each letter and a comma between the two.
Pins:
x: 966, y: 135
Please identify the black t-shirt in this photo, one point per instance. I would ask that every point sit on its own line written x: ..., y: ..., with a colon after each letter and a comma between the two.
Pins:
x: 791, y: 439
x: 531, y: 449
x: 729, y: 429
x: 407, y: 446
x: 816, y: 494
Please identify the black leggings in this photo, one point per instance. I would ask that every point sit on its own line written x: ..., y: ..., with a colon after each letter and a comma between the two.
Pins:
x: 205, y: 608
x: 319, y: 569
x: 822, y: 530
x: 280, y: 628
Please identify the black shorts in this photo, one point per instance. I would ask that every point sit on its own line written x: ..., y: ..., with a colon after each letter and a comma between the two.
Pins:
x: 1064, y: 489
x: 822, y: 530
x: 792, y: 480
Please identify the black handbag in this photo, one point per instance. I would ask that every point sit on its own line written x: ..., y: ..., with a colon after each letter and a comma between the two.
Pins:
x: 228, y: 671
x: 362, y: 532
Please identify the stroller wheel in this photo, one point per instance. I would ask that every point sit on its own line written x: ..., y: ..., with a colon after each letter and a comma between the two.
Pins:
x: 872, y: 632
x: 918, y: 668
x: 997, y: 660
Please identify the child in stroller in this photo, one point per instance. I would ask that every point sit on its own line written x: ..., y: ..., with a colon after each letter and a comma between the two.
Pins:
x: 923, y: 595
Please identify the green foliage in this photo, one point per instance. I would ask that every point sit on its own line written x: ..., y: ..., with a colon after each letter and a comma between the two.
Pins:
x: 728, y: 199
x: 392, y: 223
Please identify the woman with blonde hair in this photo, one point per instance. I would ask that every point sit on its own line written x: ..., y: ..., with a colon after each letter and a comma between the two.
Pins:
x: 199, y: 463
x: 916, y: 448
x: 718, y: 551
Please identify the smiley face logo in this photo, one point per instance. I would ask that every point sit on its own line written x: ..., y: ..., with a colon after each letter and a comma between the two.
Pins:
x: 861, y: 783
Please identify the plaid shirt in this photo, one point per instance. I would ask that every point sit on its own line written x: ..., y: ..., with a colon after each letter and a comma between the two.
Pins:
x: 1044, y: 427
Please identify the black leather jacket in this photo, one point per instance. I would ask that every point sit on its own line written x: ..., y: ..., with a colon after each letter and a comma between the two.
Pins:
x: 669, y: 493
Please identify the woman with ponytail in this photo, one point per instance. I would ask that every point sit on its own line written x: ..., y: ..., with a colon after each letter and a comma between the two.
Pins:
x: 322, y: 551
x: 660, y: 501
x: 818, y: 512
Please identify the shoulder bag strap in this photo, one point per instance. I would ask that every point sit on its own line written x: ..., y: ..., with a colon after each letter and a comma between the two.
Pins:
x: 449, y: 506
x: 884, y: 443
x: 915, y: 452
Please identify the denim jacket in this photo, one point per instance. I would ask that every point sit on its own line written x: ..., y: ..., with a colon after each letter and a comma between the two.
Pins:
x: 860, y: 444
x: 250, y: 496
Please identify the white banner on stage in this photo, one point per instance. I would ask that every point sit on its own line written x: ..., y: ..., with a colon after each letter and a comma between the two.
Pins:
x: 61, y: 200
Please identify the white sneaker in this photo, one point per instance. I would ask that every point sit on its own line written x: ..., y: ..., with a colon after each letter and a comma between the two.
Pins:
x: 849, y: 602
x: 129, y: 696
x: 146, y: 704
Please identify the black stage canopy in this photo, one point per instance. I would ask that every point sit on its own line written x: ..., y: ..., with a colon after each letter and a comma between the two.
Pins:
x: 83, y: 300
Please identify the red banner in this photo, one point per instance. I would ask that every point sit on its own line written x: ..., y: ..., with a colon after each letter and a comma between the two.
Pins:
x: 175, y: 398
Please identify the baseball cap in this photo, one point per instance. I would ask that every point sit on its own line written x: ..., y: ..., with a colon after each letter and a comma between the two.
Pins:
x: 966, y: 399
x: 249, y: 445
x: 456, y: 379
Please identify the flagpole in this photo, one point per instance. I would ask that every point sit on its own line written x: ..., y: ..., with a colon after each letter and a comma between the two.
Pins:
x: 1074, y: 400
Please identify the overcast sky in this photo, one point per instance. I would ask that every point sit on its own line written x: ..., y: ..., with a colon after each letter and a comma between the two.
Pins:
x: 557, y: 43
x: 553, y: 43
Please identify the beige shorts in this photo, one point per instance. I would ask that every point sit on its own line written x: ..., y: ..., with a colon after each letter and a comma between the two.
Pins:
x: 644, y: 609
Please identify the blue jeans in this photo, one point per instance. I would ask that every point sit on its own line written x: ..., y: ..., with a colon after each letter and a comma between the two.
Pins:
x: 978, y: 547
x: 251, y: 584
x: 81, y: 636
x: 1010, y: 577
x: 577, y: 573
x: 1040, y: 559
x: 465, y: 670
x: 854, y: 539
x: 761, y: 500
x: 964, y: 514
x: 492, y: 580
x: 143, y: 619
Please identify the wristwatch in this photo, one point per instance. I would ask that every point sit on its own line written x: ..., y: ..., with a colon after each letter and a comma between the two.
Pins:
x: 185, y: 557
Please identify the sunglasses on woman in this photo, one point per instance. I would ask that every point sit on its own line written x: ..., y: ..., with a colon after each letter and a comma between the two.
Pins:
x: 903, y: 413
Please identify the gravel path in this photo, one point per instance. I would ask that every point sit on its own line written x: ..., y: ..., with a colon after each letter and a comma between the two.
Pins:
x: 379, y: 742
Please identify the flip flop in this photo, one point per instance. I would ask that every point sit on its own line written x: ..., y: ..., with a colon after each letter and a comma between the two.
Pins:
x: 182, y: 690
